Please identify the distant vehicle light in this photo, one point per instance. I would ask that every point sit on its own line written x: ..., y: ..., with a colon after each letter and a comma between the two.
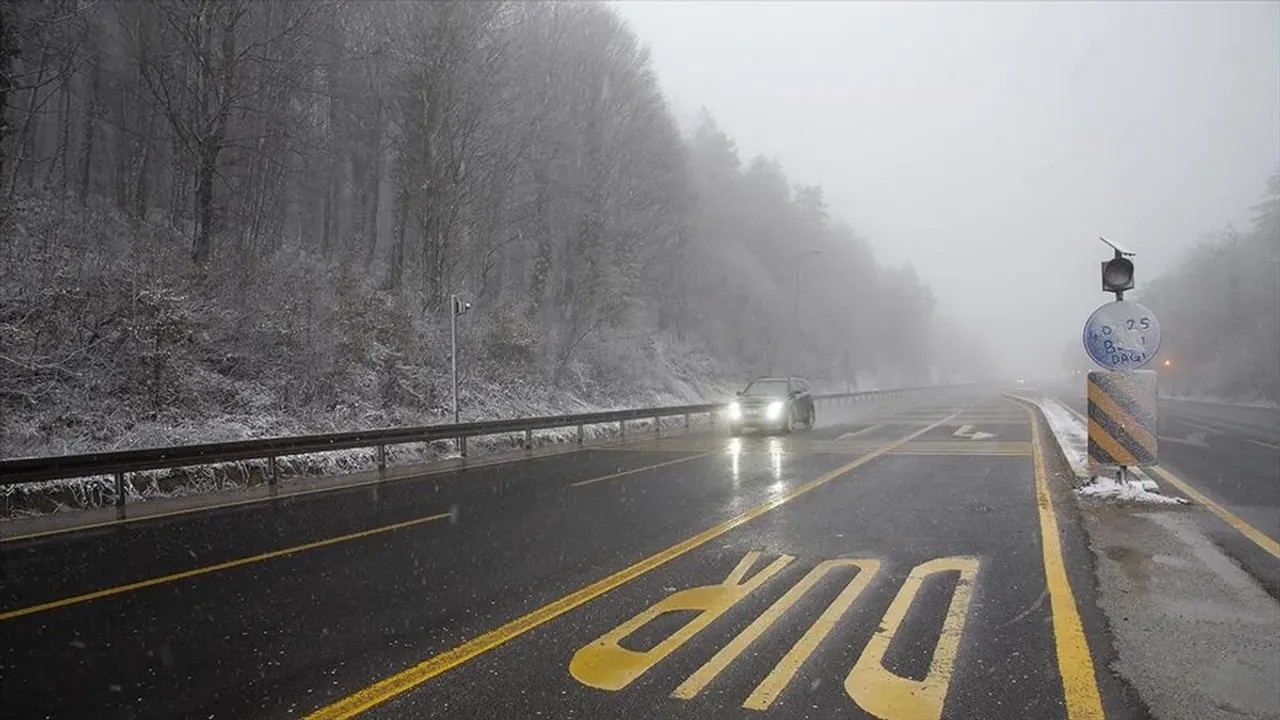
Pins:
x: 1021, y: 381
x: 735, y: 411
x: 775, y: 410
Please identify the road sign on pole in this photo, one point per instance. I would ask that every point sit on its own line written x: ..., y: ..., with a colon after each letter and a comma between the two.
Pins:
x: 1122, y: 335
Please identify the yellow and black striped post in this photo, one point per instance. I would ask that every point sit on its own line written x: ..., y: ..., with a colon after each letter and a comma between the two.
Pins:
x: 1122, y: 419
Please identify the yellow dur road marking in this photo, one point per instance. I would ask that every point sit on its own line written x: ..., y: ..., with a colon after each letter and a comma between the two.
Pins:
x: 1075, y: 662
x: 708, y: 672
x: 1260, y: 538
x: 283, y: 495
x: 890, y: 696
x: 407, y: 679
x: 633, y: 471
x: 120, y: 589
x: 605, y: 664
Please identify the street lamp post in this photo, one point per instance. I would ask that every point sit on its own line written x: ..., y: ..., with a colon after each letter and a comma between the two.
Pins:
x: 456, y: 307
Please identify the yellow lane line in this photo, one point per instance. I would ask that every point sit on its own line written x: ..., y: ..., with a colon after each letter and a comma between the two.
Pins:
x: 120, y: 589
x: 282, y: 495
x: 1075, y: 663
x: 405, y: 680
x: 1262, y: 540
x: 633, y: 471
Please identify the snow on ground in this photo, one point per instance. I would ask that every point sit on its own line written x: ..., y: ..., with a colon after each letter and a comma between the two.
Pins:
x: 1071, y: 434
x: 1130, y: 490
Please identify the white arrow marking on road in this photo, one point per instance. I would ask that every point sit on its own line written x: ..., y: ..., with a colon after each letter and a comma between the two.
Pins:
x: 856, y: 433
x: 967, y: 431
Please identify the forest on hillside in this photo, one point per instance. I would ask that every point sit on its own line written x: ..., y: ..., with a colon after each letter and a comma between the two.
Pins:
x: 231, y: 217
x: 1220, y: 312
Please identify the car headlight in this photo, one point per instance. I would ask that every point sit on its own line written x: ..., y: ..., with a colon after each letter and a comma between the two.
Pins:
x: 775, y: 410
x: 735, y: 411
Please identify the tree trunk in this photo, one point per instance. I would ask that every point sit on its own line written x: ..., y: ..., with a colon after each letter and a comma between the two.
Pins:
x: 86, y: 144
x: 6, y: 50
x: 395, y: 276
x: 204, y: 205
x: 64, y: 140
x: 372, y: 201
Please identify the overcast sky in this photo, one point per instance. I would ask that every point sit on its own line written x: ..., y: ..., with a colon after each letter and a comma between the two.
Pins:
x: 990, y: 144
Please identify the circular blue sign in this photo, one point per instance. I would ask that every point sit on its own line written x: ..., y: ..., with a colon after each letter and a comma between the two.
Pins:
x: 1122, y: 336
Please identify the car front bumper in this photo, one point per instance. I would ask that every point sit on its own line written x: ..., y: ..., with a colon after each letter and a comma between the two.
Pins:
x: 750, y: 421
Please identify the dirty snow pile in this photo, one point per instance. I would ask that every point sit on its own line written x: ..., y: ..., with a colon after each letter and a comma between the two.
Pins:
x: 1129, y: 490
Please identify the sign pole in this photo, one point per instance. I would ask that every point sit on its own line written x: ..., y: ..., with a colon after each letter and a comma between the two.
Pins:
x: 453, y: 351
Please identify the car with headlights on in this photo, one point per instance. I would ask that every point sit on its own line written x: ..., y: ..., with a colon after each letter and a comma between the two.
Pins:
x: 777, y: 404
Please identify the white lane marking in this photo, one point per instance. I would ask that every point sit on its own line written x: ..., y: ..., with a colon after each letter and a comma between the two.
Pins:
x: 967, y: 431
x: 856, y: 433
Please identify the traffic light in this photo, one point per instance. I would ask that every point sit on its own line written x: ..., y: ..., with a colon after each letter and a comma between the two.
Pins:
x: 459, y: 306
x: 1117, y: 273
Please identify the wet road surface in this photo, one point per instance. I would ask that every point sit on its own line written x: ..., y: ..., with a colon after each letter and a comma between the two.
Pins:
x: 916, y: 559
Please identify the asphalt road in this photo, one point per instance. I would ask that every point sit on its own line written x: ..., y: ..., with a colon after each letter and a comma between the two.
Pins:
x: 903, y: 561
x: 1231, y: 455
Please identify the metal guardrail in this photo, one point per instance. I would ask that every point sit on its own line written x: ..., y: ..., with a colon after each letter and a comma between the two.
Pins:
x: 118, y: 463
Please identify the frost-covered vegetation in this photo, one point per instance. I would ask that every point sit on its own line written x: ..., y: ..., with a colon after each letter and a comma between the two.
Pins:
x: 244, y: 218
x: 1220, y: 311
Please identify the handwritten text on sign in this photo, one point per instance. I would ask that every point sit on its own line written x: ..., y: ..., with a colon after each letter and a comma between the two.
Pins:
x: 1122, y: 336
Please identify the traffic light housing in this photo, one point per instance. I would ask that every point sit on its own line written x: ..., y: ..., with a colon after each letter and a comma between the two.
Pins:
x: 1117, y: 274
x: 460, y: 307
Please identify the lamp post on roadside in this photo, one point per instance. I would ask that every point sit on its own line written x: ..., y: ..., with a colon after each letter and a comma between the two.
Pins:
x: 456, y: 307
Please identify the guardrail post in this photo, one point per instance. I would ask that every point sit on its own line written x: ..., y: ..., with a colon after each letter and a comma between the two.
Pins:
x: 582, y: 435
x: 622, y: 429
x: 686, y: 421
x: 120, y: 494
x: 657, y: 426
x: 528, y: 439
x: 462, y: 446
x: 274, y: 479
x: 382, y: 458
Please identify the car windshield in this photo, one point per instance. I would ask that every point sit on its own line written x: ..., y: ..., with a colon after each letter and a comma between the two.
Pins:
x: 766, y: 388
